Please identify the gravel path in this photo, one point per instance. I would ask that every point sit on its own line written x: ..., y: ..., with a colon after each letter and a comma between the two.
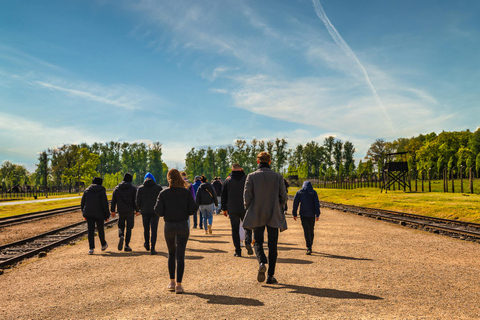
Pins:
x: 361, y: 269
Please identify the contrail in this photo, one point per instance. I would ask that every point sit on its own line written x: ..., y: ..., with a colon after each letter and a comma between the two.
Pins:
x: 348, y: 51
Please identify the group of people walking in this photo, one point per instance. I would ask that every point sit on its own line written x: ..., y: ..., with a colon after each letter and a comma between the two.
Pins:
x: 257, y: 200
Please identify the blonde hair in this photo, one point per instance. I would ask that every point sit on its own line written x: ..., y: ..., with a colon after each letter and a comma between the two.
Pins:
x: 264, y: 157
x: 175, y: 180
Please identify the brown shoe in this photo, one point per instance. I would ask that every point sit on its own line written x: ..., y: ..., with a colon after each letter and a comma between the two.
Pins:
x: 171, y: 286
x: 210, y: 229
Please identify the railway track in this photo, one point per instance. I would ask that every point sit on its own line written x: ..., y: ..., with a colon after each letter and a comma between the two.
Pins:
x: 38, y: 245
x: 453, y: 228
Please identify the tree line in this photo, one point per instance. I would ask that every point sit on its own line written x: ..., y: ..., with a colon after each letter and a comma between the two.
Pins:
x: 430, y: 153
x: 74, y: 165
x: 305, y: 161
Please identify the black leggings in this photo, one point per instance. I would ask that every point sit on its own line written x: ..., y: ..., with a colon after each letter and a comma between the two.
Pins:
x: 91, y: 232
x: 176, y: 236
x: 127, y: 220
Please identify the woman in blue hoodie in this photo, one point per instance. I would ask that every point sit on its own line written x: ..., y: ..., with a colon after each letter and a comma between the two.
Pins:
x: 309, y: 211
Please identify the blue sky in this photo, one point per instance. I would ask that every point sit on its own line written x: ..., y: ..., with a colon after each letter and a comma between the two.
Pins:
x: 204, y: 73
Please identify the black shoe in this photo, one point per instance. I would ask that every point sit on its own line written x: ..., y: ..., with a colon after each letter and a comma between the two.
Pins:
x: 271, y: 280
x: 309, y: 252
x: 153, y: 252
x: 120, y: 244
x: 127, y: 248
x: 146, y: 246
x: 237, y: 254
x: 261, y: 272
x: 248, y: 246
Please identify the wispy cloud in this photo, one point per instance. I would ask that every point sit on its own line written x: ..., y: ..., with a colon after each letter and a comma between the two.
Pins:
x: 129, y: 97
x: 349, y: 52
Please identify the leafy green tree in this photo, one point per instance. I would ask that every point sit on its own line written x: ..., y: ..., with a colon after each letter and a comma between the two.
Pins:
x: 155, y: 161
x: 43, y: 170
x: 349, y: 161
x: 84, y: 168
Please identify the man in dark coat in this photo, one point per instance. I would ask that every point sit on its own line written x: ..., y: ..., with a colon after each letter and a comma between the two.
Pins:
x: 124, y: 200
x: 264, y: 198
x: 232, y: 206
x: 94, y: 206
x: 147, y: 195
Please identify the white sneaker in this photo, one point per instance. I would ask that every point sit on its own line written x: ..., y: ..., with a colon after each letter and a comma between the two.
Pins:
x: 90, y: 251
x: 105, y: 247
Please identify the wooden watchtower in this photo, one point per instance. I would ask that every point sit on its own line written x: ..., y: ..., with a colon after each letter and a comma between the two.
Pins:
x: 396, y: 171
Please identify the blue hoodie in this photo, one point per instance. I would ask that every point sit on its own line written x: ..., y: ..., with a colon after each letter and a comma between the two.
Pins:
x: 195, y: 186
x: 149, y: 175
x: 308, y: 200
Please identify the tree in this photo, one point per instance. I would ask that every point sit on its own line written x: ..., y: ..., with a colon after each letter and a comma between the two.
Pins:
x: 43, y: 171
x: 155, y: 160
x: 337, y: 154
x: 84, y: 169
x: 348, y: 152
x: 377, y: 153
x: 281, y: 154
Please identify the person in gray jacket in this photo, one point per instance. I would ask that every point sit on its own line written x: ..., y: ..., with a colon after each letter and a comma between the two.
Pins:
x: 264, y: 198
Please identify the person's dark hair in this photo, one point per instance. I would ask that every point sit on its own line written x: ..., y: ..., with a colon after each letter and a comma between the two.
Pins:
x: 175, y: 180
x: 236, y: 166
x: 202, y: 178
x: 128, y: 177
x: 97, y: 180
x: 264, y: 157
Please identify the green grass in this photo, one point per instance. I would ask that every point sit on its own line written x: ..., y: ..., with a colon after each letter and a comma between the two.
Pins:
x: 12, y: 210
x: 465, y: 207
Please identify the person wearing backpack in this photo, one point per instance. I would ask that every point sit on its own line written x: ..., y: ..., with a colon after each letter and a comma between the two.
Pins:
x: 206, y: 199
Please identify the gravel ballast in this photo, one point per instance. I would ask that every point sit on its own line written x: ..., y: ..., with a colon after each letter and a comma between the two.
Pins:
x: 361, y: 268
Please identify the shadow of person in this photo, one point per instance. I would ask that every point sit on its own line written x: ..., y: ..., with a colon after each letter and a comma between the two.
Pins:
x: 125, y: 254
x: 324, y: 292
x: 208, y: 241
x: 293, y: 261
x: 333, y: 256
x: 165, y: 254
x: 207, y: 250
x: 227, y: 300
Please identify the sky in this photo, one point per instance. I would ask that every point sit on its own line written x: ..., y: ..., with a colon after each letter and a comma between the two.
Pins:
x: 193, y: 74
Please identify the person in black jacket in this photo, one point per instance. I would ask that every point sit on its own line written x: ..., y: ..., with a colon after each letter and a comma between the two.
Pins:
x: 124, y: 200
x: 205, y: 198
x: 176, y: 205
x: 307, y: 198
x: 94, y: 206
x: 232, y: 206
x: 218, y: 185
x: 147, y: 195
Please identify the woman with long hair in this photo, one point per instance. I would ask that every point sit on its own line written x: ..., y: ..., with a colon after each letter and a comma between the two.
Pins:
x: 175, y: 205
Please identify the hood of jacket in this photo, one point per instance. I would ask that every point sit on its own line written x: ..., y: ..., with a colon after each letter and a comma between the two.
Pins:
x: 124, y: 185
x: 307, y: 187
x: 238, y: 175
x: 149, y: 182
x: 95, y: 188
x: 149, y: 175
x: 197, y: 183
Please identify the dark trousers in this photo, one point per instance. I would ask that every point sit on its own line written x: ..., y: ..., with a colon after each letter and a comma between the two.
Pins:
x: 195, y: 219
x: 235, y: 222
x: 125, y: 220
x: 176, y: 236
x: 272, y: 247
x: 91, y: 222
x: 150, y: 222
x: 308, y: 224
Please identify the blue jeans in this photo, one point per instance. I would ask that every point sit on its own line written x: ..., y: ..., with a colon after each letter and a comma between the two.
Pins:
x: 207, y: 211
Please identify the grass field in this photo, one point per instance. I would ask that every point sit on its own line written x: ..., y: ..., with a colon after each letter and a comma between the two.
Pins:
x: 12, y: 210
x: 465, y: 207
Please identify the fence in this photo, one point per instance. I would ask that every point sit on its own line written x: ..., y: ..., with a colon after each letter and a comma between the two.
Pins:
x: 20, y: 192
x: 453, y: 181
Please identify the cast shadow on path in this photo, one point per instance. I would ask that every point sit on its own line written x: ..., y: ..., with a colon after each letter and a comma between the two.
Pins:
x: 227, y: 300
x: 293, y: 261
x: 325, y: 255
x: 207, y: 250
x: 143, y: 253
x: 325, y: 293
x: 208, y: 241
